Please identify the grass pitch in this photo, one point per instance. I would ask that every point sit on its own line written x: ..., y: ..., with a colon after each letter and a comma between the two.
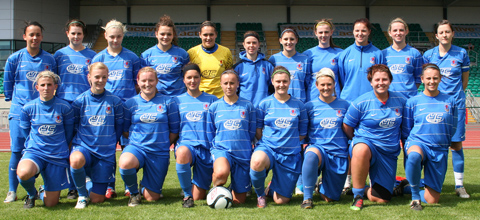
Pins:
x: 450, y: 206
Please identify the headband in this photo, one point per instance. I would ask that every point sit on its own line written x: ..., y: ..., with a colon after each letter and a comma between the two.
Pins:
x: 430, y: 65
x: 323, y: 23
x: 76, y: 22
x: 250, y: 35
x: 280, y: 71
x: 289, y: 29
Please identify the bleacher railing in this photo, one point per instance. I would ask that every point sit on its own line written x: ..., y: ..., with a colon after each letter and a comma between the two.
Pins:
x: 472, y: 105
x: 473, y: 55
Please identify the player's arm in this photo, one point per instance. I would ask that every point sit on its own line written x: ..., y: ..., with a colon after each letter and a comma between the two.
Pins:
x: 465, y: 76
x: 348, y: 130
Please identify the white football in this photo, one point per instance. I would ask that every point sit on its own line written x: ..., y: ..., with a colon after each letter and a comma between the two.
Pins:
x: 219, y: 197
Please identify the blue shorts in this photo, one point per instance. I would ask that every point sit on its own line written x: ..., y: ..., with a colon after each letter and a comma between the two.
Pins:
x: 154, y: 168
x: 434, y: 165
x: 334, y: 172
x: 17, y: 141
x: 383, y: 167
x: 55, y: 176
x: 202, y: 164
x: 459, y: 135
x: 100, y: 171
x: 239, y: 169
x: 285, y: 168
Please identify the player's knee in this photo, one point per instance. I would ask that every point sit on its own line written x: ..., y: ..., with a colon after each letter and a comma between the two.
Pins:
x: 97, y: 199
x: 360, y: 152
x: 24, y: 173
x: 281, y: 200
x: 50, y: 202
x: 183, y: 155
x: 127, y: 162
x: 221, y: 175
x: 77, y: 160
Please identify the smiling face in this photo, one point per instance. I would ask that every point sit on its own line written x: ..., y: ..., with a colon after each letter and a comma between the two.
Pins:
x: 147, y: 81
x: 114, y: 37
x: 98, y: 79
x: 46, y: 88
x: 281, y: 82
x: 33, y: 36
x: 192, y: 80
x: 361, y: 33
x: 164, y: 35
x: 380, y: 82
x: 251, y: 45
x: 208, y: 36
x: 323, y: 33
x: 75, y: 35
x: 325, y: 86
x: 229, y: 84
x: 444, y: 34
x: 431, y: 78
x: 398, y: 32
x: 288, y: 41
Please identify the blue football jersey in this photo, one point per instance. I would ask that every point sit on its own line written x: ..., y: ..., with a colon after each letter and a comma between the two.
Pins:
x: 406, y: 68
x: 300, y: 73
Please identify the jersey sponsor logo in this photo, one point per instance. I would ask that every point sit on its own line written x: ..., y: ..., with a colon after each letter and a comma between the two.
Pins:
x: 454, y: 63
x: 115, y: 75
x: 47, y: 130
x: 194, y: 115
x: 408, y: 60
x: 293, y: 112
x: 446, y: 72
x: 31, y: 75
x: 209, y: 74
x: 299, y: 66
x: 205, y: 106
x: 126, y: 64
x: 372, y: 60
x: 329, y: 123
x: 397, y: 112
x: 447, y: 108
x: 283, y: 122
x: 164, y: 68
x: 75, y: 68
x: 398, y: 68
x: 387, y: 123
x: 242, y: 114
x: 434, y: 118
x: 333, y: 62
x: 97, y: 120
x: 58, y: 119
x: 233, y: 124
x: 108, y: 109
x: 339, y: 113
x: 161, y: 108
x: 148, y: 117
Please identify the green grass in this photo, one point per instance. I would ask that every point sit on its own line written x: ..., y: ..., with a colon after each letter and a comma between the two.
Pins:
x: 450, y: 206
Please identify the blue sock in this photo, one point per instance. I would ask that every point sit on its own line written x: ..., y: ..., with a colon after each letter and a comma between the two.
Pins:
x: 79, y: 178
x: 89, y: 186
x: 29, y: 186
x: 358, y: 192
x: 184, y: 174
x: 12, y: 171
x: 310, y: 173
x: 70, y: 179
x: 42, y: 194
x: 111, y: 185
x: 129, y: 176
x: 422, y: 196
x: 413, y: 171
x: 458, y: 161
x: 258, y: 181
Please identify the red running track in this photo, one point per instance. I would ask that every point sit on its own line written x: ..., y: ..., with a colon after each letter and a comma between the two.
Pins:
x: 472, y: 140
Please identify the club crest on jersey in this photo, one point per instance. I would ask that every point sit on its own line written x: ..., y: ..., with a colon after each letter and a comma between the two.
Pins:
x: 333, y: 62
x: 299, y: 66
x: 408, y: 60
x: 293, y: 112
x: 454, y: 63
x: 205, y: 106
x: 126, y: 64
x: 58, y: 119
x: 397, y: 112
x: 221, y: 63
x: 242, y: 114
x: 339, y: 113
x: 175, y: 59
x: 88, y: 61
x: 160, y: 108
x: 372, y: 60
x: 447, y: 108
x: 47, y: 67
x: 108, y: 109
x: 263, y: 70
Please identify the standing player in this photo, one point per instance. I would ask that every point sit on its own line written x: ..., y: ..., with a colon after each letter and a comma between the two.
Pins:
x: 328, y: 150
x: 167, y: 58
x: 20, y: 73
x: 47, y: 125
x: 151, y: 120
x: 323, y: 55
x: 454, y: 64
x: 99, y: 124
x: 254, y: 70
x: 296, y: 63
x: 404, y: 61
x: 375, y: 117
x: 429, y: 122
x: 72, y: 62
x: 123, y: 65
x: 354, y: 62
x: 212, y: 58
x: 281, y: 124
x: 230, y: 131
x: 192, y: 147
